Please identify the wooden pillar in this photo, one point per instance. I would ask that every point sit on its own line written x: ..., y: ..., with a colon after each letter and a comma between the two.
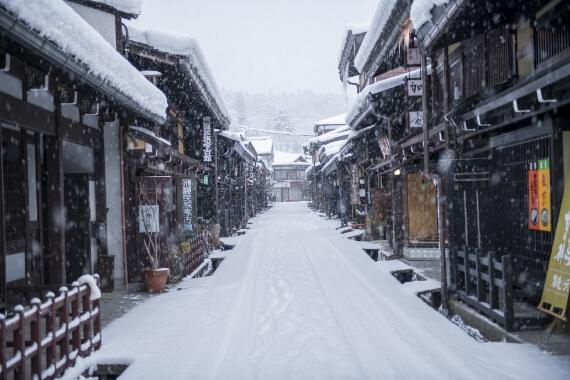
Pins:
x: 55, y: 209
x: 100, y: 192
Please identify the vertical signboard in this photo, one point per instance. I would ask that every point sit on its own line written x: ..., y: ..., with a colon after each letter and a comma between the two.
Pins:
x: 544, y: 194
x: 187, y: 204
x: 557, y: 285
x: 533, y: 205
x: 354, y: 185
x: 539, y: 213
x: 207, y: 139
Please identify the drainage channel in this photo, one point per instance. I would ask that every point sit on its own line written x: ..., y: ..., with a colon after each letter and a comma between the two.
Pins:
x: 433, y: 299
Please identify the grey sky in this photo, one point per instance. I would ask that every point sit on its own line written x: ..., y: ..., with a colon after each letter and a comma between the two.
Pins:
x: 261, y: 45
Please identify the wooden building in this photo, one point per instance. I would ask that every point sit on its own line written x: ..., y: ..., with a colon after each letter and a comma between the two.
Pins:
x: 175, y: 162
x: 62, y: 110
x: 498, y: 97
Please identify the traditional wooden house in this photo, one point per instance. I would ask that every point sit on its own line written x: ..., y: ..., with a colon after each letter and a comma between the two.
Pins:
x: 289, y: 176
x: 264, y: 174
x: 65, y: 94
x: 173, y: 163
x: 237, y: 167
x: 390, y: 97
x: 498, y: 99
x: 322, y: 189
x: 354, y: 35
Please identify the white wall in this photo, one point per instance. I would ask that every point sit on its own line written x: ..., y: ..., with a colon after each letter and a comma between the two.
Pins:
x: 113, y: 189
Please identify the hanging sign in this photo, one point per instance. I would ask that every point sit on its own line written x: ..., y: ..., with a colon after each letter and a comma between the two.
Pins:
x: 557, y: 286
x: 413, y: 57
x: 416, y: 119
x: 384, y: 143
x: 207, y: 139
x: 414, y: 87
x: 149, y: 219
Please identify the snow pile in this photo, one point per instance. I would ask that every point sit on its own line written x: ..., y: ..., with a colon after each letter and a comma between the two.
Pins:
x: 90, y: 281
x: 127, y: 6
x: 172, y: 42
x: 420, y: 12
x: 57, y: 22
x: 295, y: 300
x: 383, y: 12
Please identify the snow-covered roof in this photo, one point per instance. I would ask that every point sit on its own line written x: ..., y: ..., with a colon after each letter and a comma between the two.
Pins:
x: 59, y: 23
x: 263, y: 145
x: 377, y: 87
x: 286, y: 158
x: 420, y: 12
x: 236, y: 136
x: 383, y: 12
x: 351, y: 29
x: 340, y: 133
x: 335, y: 120
x: 333, y: 148
x: 171, y: 42
x: 132, y: 7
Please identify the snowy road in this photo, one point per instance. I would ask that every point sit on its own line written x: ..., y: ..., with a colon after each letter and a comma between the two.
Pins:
x: 294, y: 300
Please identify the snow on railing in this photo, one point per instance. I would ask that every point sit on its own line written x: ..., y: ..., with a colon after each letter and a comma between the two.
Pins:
x: 44, y: 340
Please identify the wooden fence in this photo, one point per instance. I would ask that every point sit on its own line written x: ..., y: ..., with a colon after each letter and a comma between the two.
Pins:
x: 196, y: 257
x: 44, y: 340
x: 484, y: 281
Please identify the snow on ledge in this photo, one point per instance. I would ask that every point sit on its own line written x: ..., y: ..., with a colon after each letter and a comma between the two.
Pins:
x: 60, y: 24
x: 420, y: 12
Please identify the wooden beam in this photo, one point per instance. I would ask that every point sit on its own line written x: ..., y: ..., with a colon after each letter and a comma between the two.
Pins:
x: 26, y: 115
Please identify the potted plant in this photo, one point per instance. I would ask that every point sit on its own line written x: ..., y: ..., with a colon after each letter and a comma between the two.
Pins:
x: 154, y: 276
x: 381, y: 213
x: 359, y: 217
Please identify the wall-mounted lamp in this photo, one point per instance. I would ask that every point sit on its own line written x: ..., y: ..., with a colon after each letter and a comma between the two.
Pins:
x: 397, y: 172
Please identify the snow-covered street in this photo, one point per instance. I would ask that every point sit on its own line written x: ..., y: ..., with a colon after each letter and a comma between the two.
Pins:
x: 295, y: 300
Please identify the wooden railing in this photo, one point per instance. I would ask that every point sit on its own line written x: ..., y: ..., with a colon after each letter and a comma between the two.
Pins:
x: 485, y: 282
x: 41, y: 342
x: 196, y: 257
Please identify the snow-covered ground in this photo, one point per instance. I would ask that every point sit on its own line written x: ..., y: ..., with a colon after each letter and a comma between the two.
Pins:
x: 296, y: 300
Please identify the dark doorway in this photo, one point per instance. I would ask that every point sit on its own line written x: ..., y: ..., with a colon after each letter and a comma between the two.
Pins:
x: 77, y: 216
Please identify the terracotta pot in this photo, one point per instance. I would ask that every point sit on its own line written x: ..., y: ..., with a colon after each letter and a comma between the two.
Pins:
x: 155, y: 279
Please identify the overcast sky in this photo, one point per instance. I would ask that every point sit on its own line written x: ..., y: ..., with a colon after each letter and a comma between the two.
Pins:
x: 262, y: 45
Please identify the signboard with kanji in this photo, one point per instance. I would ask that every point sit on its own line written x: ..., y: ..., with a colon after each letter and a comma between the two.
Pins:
x: 207, y: 139
x: 416, y: 119
x: 354, y: 185
x: 413, y: 58
x: 414, y: 87
x: 384, y: 143
x: 557, y: 285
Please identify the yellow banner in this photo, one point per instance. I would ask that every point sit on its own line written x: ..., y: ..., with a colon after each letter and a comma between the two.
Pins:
x: 557, y: 286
